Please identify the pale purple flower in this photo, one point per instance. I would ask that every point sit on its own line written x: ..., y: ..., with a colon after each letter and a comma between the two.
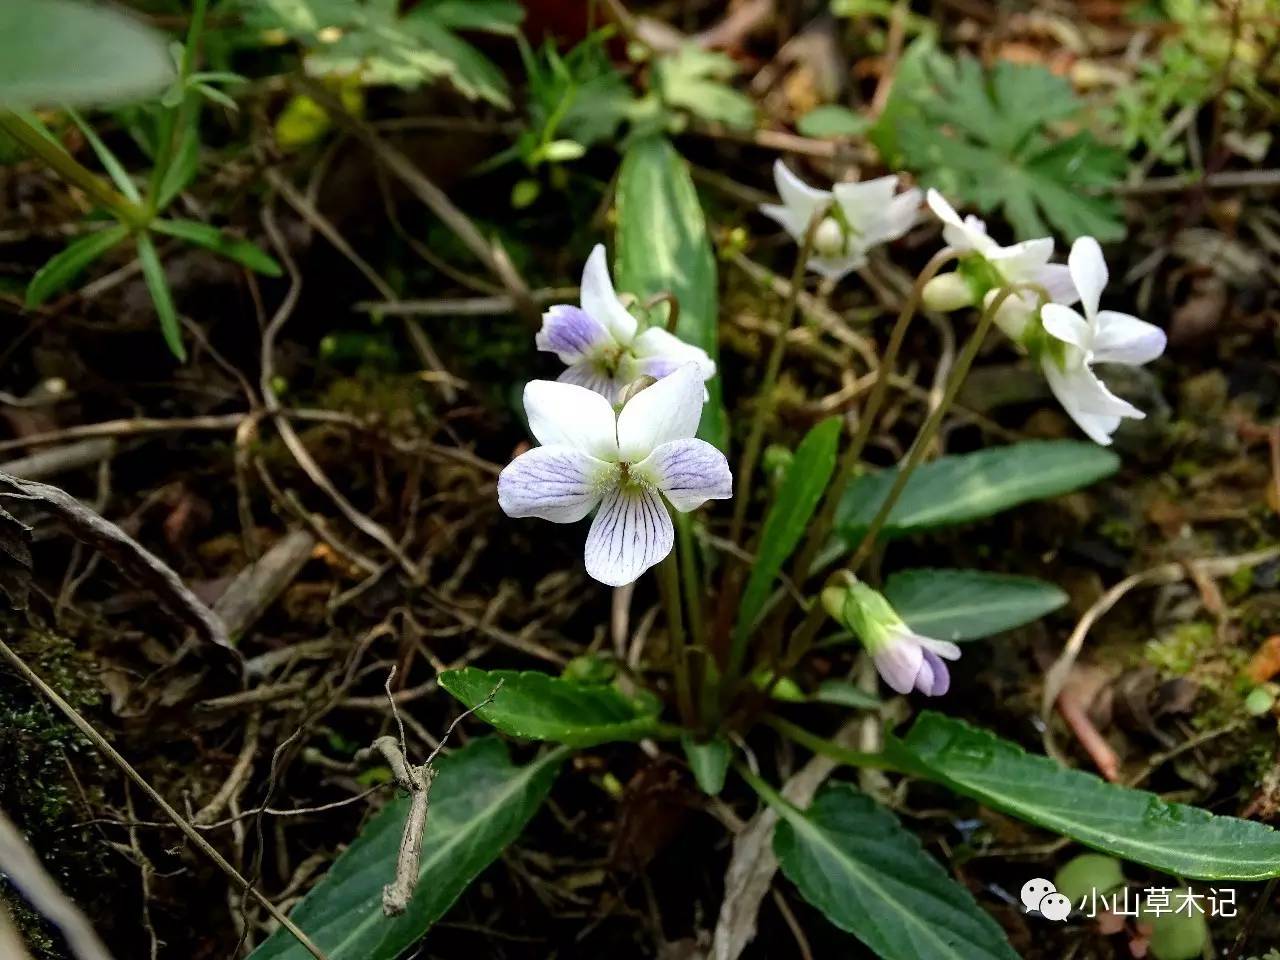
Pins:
x: 624, y: 463
x: 905, y: 660
x: 859, y: 216
x: 602, y: 344
x: 1096, y: 337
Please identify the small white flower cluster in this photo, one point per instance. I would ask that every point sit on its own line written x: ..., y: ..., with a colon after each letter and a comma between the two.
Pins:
x: 598, y: 451
x: 1038, y: 317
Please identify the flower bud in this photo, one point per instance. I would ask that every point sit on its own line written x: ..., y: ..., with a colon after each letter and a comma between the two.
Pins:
x: 828, y: 238
x: 947, y: 292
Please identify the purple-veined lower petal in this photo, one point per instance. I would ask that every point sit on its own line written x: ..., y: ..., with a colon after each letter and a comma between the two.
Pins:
x: 1121, y: 338
x: 556, y: 483
x: 572, y: 334
x: 668, y: 410
x: 631, y: 532
x: 565, y: 414
x: 688, y: 472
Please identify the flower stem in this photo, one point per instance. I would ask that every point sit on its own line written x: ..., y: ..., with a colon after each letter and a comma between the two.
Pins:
x: 773, y: 366
x: 926, y: 434
x: 820, y: 528
x: 669, y: 591
x: 51, y: 153
x: 883, y: 760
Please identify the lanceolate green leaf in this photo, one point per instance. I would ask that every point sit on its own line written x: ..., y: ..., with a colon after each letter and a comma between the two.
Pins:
x: 543, y: 707
x: 158, y: 287
x: 789, y: 515
x: 1131, y: 824
x: 62, y: 268
x: 479, y: 804
x: 211, y: 238
x: 709, y: 762
x: 959, y: 489
x: 852, y: 860
x: 969, y: 604
x: 65, y: 52
x: 663, y: 246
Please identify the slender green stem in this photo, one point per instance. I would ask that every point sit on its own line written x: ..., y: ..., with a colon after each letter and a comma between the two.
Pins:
x: 821, y: 745
x: 689, y: 580
x: 52, y: 155
x: 820, y: 528
x: 669, y: 590
x: 921, y: 444
x: 773, y: 366
x: 766, y: 792
x: 175, y: 120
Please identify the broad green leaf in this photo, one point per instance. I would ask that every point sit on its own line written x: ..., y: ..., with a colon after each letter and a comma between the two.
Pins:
x: 65, y: 52
x: 543, y: 707
x: 1131, y: 824
x: 378, y: 42
x: 479, y: 804
x: 852, y: 860
x: 958, y: 489
x: 62, y: 268
x: 663, y: 246
x: 789, y: 515
x: 211, y: 238
x: 831, y: 120
x: 969, y: 604
x: 709, y: 761
x: 694, y: 79
x: 984, y: 136
x: 158, y: 287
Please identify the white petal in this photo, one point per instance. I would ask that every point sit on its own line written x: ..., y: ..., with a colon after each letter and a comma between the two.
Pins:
x: 1067, y: 325
x: 1020, y: 262
x: 668, y: 410
x: 1087, y: 401
x: 556, y: 483
x: 864, y: 204
x: 565, y: 414
x: 572, y: 334
x: 834, y: 268
x: 967, y: 234
x: 1121, y: 338
x: 689, y: 472
x: 943, y: 648
x: 901, y: 214
x: 600, y: 300
x: 587, y: 374
x: 1089, y: 271
x: 660, y: 353
x: 790, y: 220
x: 629, y: 535
x: 797, y: 196
x: 1057, y: 282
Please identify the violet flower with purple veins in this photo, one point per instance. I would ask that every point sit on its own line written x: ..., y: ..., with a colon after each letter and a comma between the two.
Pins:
x: 625, y: 463
x: 602, y: 343
x: 905, y: 660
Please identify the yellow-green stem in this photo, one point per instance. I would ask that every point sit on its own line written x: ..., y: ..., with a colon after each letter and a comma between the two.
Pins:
x: 765, y: 398
x: 53, y: 156
x: 820, y: 529
x: 669, y: 591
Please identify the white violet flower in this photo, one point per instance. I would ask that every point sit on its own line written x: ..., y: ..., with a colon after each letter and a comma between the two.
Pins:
x: 1097, y: 337
x: 905, y: 659
x: 859, y: 216
x: 625, y: 463
x: 602, y: 344
x: 985, y: 267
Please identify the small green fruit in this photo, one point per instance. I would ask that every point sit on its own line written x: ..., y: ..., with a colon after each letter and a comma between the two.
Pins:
x: 1082, y: 875
x: 1177, y: 936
